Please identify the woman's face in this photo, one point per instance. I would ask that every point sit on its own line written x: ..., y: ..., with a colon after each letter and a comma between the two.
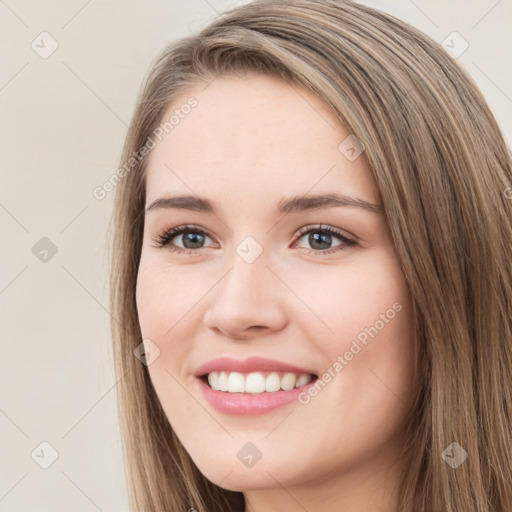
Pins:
x: 249, y: 284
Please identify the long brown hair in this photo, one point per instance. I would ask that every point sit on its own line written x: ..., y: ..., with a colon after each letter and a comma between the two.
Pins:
x: 443, y: 170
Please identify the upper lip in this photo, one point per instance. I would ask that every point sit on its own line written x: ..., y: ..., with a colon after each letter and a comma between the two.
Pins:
x: 253, y: 364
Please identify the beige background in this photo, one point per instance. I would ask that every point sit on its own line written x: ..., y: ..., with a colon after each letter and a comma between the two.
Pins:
x: 63, y: 120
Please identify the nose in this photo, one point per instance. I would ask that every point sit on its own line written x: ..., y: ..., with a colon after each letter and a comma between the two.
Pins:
x: 248, y: 302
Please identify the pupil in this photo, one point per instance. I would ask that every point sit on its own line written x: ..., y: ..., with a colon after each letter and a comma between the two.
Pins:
x: 193, y: 238
x: 315, y: 237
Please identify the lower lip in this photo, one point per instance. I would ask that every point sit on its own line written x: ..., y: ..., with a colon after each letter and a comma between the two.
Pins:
x: 245, y: 403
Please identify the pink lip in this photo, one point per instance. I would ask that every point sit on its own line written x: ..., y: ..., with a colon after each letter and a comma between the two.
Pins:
x: 253, y: 364
x: 246, y: 404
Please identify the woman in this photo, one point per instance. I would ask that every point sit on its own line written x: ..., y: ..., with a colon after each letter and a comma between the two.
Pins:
x: 263, y: 370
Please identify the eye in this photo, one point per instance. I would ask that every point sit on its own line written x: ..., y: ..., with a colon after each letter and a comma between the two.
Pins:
x: 319, y: 237
x: 193, y: 239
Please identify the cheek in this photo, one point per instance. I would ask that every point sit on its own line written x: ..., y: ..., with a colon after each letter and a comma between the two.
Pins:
x: 165, y: 313
x: 363, y: 325
x: 165, y: 299
x: 150, y: 300
x: 169, y: 313
x: 352, y: 296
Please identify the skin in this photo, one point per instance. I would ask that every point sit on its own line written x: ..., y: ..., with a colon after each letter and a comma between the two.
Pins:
x: 249, y: 142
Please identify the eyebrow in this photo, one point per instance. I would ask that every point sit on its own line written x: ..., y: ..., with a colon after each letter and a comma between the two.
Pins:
x: 286, y: 205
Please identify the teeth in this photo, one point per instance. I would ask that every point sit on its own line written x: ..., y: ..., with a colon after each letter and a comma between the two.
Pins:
x: 256, y: 382
x: 272, y: 383
x: 223, y: 381
x: 236, y: 383
x: 303, y: 379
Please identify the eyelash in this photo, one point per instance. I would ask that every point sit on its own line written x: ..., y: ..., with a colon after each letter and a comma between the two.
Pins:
x: 165, y: 238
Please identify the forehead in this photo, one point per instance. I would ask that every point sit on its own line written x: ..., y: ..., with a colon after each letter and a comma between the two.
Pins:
x: 257, y: 136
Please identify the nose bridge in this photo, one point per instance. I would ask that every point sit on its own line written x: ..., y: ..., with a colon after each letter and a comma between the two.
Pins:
x: 247, y: 258
x: 248, y: 277
x: 245, y: 297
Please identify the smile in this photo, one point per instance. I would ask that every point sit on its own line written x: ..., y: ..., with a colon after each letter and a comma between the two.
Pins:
x: 256, y: 382
x: 244, y: 394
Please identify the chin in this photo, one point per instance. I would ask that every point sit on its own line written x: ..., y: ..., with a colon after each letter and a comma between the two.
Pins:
x: 236, y: 477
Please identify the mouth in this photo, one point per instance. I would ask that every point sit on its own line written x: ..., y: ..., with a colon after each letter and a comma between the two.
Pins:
x: 256, y: 383
x: 253, y: 393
